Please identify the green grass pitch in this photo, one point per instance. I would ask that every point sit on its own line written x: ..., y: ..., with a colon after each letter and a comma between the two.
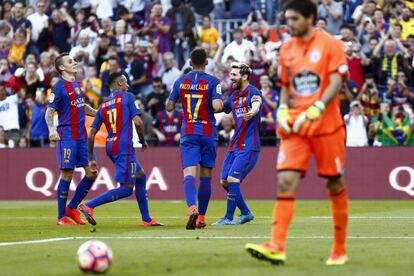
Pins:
x: 381, y: 240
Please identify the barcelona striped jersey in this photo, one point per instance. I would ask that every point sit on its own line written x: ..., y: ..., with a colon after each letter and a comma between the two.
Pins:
x: 196, y: 92
x: 116, y: 112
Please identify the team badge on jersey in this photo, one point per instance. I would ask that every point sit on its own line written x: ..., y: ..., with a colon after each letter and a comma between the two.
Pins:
x: 315, y: 56
x: 306, y: 83
x: 51, y: 98
x: 77, y: 90
x: 218, y: 89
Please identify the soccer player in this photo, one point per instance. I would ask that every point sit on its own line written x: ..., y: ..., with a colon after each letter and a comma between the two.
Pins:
x: 312, y: 68
x: 118, y: 112
x: 68, y: 99
x: 245, y: 104
x: 200, y: 96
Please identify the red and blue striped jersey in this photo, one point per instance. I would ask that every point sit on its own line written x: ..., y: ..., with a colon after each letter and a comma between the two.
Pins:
x: 196, y: 92
x: 116, y: 112
x: 246, y: 133
x: 68, y: 100
x: 168, y: 125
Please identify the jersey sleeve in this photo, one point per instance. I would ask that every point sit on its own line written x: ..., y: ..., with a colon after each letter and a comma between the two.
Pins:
x: 216, y: 91
x: 97, y: 122
x: 133, y: 107
x: 55, y: 97
x: 282, y: 74
x: 175, y: 92
x: 337, y: 62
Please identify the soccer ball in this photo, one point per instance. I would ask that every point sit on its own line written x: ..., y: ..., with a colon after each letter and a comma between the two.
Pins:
x: 94, y: 256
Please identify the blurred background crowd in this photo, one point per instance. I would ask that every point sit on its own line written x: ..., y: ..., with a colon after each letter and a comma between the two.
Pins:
x: 150, y: 41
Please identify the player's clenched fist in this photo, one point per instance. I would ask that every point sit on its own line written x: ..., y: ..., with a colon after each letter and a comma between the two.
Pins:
x: 283, y: 118
x: 303, y: 124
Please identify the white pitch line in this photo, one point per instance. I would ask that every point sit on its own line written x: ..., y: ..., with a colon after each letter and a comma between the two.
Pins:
x: 197, y: 237
x: 364, y: 217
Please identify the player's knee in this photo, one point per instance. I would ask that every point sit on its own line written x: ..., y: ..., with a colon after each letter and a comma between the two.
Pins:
x: 67, y: 175
x: 231, y: 179
x: 335, y: 184
x: 285, y: 184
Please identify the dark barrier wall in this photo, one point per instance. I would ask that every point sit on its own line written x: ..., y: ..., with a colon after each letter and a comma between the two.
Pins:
x: 371, y: 173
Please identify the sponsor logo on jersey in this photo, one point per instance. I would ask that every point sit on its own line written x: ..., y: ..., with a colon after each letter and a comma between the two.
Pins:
x: 306, y: 83
x: 79, y: 102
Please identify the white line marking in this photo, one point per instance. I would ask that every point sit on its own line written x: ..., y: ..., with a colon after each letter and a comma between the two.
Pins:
x: 364, y: 217
x: 197, y: 237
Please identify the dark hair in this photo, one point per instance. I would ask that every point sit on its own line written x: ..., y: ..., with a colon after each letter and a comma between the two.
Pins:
x: 59, y: 61
x: 346, y: 26
x: 306, y: 8
x: 113, y: 78
x: 157, y: 79
x: 238, y: 30
x: 198, y: 57
x: 208, y: 16
x: 410, y: 36
x: 244, y: 69
x: 187, y: 70
x: 114, y: 58
x: 122, y: 11
x: 323, y: 19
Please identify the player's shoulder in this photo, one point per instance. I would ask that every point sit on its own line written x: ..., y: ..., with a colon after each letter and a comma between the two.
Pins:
x: 254, y: 90
x: 328, y: 40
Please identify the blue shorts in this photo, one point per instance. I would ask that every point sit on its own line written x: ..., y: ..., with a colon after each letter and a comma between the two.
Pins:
x: 197, y: 149
x: 71, y: 153
x: 239, y: 164
x: 126, y: 166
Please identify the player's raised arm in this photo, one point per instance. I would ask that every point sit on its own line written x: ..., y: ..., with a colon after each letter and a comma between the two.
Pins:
x: 256, y: 102
x: 140, y: 131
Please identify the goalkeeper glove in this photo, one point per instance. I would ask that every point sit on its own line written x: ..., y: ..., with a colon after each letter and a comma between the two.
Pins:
x: 303, y: 124
x: 283, y: 118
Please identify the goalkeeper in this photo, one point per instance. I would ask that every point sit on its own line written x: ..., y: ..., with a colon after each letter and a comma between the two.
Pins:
x: 312, y: 69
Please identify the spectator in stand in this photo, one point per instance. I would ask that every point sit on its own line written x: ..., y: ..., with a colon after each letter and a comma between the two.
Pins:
x: 6, y: 10
x: 4, y: 47
x: 135, y: 70
x: 147, y: 54
x: 37, y: 131
x: 366, y: 32
x: 147, y: 121
x: 398, y: 92
x: 136, y: 21
x: 158, y: 29
x: 225, y: 135
x: 18, y: 19
x: 271, y: 98
x: 84, y: 52
x: 121, y: 36
x: 353, y: 56
x: 346, y: 33
x: 18, y: 48
x: 113, y: 66
x: 22, y: 143
x: 258, y: 64
x: 167, y: 127
x: 60, y: 29
x: 9, y: 115
x: 31, y: 80
x: 240, y: 8
x: 255, y: 28
x: 332, y: 11
x: 111, y: 52
x: 410, y: 59
x: 363, y: 11
x: 156, y: 99
x: 349, y: 8
x: 7, y: 78
x: 321, y: 23
x: 208, y: 33
x: 107, y: 27
x: 46, y: 68
x: 182, y: 30
x: 238, y: 47
x: 40, y: 22
x: 101, y: 50
x: 369, y: 98
x: 379, y: 20
x: 356, y: 126
x: 169, y: 73
x: 92, y: 86
x: 3, y: 141
x: 369, y: 65
x: 389, y: 62
x: 225, y: 82
x: 407, y: 23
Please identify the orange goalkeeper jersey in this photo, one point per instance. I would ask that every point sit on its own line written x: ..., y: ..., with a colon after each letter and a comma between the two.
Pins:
x: 304, y: 69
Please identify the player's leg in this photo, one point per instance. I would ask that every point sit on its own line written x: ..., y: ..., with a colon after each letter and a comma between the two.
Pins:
x: 123, y: 176
x: 86, y: 183
x: 190, y: 155
x: 142, y: 199
x: 245, y: 214
x: 207, y: 163
x: 330, y: 159
x: 293, y: 159
x: 66, y: 163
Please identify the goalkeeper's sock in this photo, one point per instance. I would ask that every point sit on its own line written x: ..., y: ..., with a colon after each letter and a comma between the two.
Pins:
x: 241, y: 204
x: 62, y: 196
x: 142, y: 199
x: 81, y: 191
x: 109, y: 196
x: 232, y: 197
x: 190, y: 190
x: 282, y: 215
x: 339, y: 208
x: 204, y: 193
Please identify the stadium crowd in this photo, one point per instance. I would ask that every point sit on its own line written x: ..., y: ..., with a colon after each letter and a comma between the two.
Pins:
x: 150, y: 41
